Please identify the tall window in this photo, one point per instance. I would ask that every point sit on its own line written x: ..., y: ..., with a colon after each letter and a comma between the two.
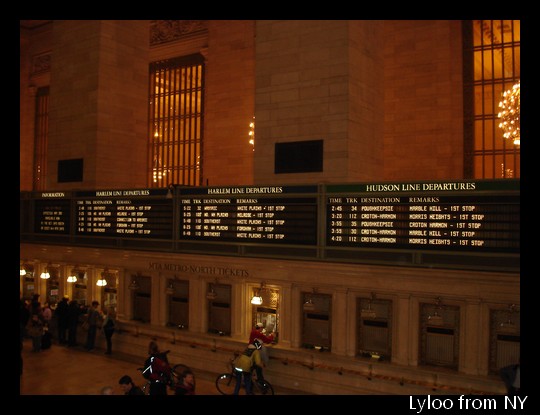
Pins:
x: 175, y: 121
x: 41, y: 132
x: 491, y: 67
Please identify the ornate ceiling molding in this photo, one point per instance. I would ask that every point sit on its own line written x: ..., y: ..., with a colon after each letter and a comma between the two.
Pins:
x: 164, y: 31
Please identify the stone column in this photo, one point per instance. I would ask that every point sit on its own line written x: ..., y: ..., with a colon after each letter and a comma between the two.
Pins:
x: 99, y: 101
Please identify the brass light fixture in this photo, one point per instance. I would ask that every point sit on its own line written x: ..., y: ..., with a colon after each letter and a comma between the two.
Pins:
x: 170, y: 289
x: 73, y: 276
x: 436, y: 319
x: 211, y: 295
x: 102, y: 282
x: 309, y: 305
x: 368, y: 313
x: 45, y: 274
x: 257, y: 298
x: 134, y: 286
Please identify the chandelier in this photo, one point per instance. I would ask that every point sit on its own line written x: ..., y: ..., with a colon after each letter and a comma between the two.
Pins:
x: 509, y: 114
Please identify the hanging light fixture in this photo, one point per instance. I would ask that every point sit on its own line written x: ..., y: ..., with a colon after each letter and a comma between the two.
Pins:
x: 368, y: 313
x: 309, y: 305
x: 212, y: 294
x: 102, y: 282
x: 170, y: 289
x: 436, y: 319
x: 45, y: 274
x: 510, y: 106
x: 73, y: 276
x: 257, y: 298
x: 22, y: 271
x: 134, y: 286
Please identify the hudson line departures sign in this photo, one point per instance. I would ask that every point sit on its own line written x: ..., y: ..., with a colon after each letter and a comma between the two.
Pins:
x: 464, y: 215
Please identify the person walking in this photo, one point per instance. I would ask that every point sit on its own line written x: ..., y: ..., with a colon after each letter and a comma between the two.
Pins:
x: 109, y: 324
x: 93, y: 318
x: 243, y: 365
x: 129, y: 388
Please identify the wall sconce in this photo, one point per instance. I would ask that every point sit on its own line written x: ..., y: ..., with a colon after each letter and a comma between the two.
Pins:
x: 45, y: 274
x: 170, y: 289
x: 309, y: 305
x: 134, y: 286
x: 22, y: 270
x: 436, y: 319
x: 368, y: 313
x: 257, y: 298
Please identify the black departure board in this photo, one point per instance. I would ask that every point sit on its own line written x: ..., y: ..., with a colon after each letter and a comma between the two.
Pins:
x: 52, y: 213
x: 145, y: 213
x: 467, y: 216
x: 267, y: 214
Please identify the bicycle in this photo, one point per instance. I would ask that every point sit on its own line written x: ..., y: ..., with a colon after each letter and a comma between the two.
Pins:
x: 226, y: 382
x: 176, y: 375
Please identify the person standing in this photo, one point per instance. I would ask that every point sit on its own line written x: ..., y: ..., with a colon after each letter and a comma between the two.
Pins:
x: 35, y: 331
x: 73, y: 314
x: 61, y: 313
x: 129, y: 388
x: 109, y: 324
x: 243, y: 365
x: 257, y: 332
x: 93, y: 318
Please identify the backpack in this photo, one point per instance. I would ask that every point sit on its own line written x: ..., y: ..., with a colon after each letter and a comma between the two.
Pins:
x: 155, y: 369
x: 147, y: 368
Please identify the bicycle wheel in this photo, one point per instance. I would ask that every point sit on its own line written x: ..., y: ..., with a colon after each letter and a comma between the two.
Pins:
x: 225, y: 383
x: 264, y: 388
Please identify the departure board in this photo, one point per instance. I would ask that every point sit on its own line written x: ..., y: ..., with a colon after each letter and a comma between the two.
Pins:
x: 465, y: 216
x: 52, y: 213
x: 270, y: 214
x: 143, y: 213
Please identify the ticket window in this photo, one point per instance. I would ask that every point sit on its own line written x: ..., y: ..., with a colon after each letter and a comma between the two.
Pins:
x: 316, y: 321
x: 505, y: 338
x: 374, y: 328
x: 28, y: 285
x: 178, y: 293
x: 53, y: 287
x: 219, y: 309
x: 266, y: 312
x: 439, y: 335
x: 79, y: 289
x: 142, y: 298
x: 109, y: 291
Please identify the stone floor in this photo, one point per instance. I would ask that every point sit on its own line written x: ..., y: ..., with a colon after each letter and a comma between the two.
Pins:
x: 61, y: 370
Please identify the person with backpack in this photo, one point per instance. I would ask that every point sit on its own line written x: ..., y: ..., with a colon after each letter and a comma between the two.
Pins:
x: 244, y: 364
x: 157, y: 369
